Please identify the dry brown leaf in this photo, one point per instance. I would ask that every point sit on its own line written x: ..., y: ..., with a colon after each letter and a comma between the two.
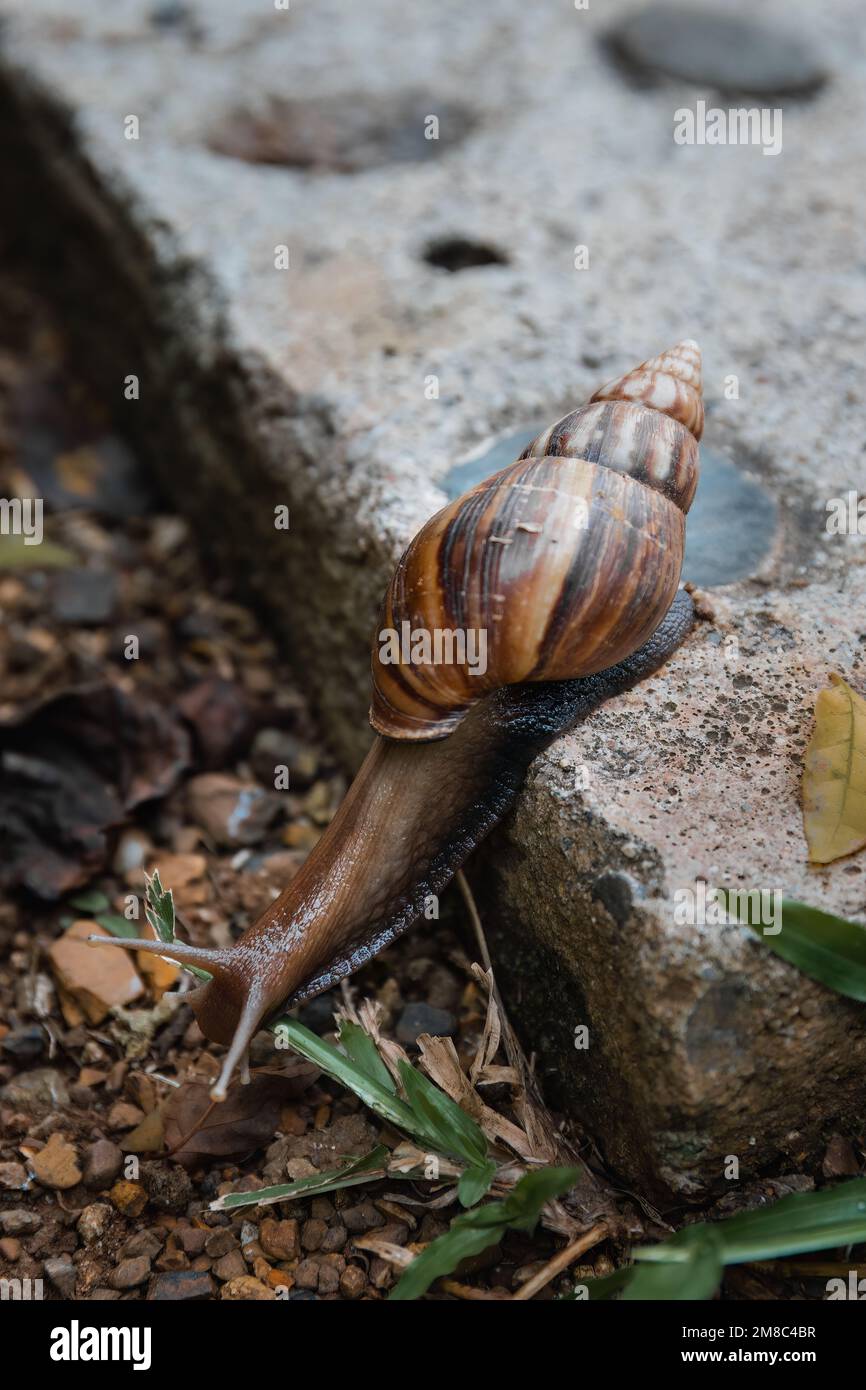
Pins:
x: 247, y: 1118
x: 834, y: 775
x: 148, y: 1136
x: 440, y: 1061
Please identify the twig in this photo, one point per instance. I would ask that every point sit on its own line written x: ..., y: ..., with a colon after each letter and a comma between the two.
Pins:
x: 458, y: 1290
x: 475, y: 919
x: 561, y: 1262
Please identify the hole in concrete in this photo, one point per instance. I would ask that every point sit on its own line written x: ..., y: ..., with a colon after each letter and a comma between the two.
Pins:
x: 731, y: 525
x: 344, y: 134
x: 458, y: 253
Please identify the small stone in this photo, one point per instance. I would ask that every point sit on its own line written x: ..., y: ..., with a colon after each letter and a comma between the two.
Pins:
x: 361, y: 1218
x: 230, y: 1266
x: 19, y: 1222
x: 353, y: 1282
x: 62, y: 1274
x: 124, y: 1115
x: 422, y: 1018
x: 185, y: 1285
x: 132, y: 852
x: 249, y: 1233
x: 129, y: 1198
x: 43, y: 1088
x: 12, y: 1176
x: 102, y: 1164
x: 307, y: 1274
x: 172, y: 1259
x: 220, y: 1242
x: 10, y: 1248
x: 276, y: 748
x: 247, y: 1288
x: 335, y: 1239
x: 168, y: 1185
x: 301, y: 836
x: 193, y: 1240
x: 94, y: 1221
x: 142, y: 1244
x: 57, y: 1164
x: 98, y: 978
x: 313, y: 1234
x: 840, y: 1160
x: 279, y: 1239
x: 84, y: 597
x: 729, y: 52
x: 231, y: 811
x: 25, y: 1044
x: 130, y: 1273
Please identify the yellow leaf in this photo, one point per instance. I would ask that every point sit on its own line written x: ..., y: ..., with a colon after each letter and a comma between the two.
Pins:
x: 834, y: 775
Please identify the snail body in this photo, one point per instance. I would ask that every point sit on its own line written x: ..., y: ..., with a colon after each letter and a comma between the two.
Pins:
x: 568, y: 562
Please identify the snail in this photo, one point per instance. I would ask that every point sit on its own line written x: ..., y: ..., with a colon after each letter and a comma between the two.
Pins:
x: 568, y: 562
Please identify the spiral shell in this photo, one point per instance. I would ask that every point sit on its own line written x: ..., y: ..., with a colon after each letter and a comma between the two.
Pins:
x: 558, y: 566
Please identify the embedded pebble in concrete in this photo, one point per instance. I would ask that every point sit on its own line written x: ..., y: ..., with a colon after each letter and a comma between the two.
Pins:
x: 730, y: 527
x: 731, y: 523
x: 726, y: 51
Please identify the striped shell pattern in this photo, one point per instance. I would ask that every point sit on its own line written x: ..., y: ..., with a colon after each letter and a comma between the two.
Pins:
x: 558, y: 566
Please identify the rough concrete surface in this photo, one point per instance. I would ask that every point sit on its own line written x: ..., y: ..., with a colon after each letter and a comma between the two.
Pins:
x: 307, y: 386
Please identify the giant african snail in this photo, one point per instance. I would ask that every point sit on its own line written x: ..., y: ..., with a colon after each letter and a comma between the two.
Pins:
x: 568, y: 561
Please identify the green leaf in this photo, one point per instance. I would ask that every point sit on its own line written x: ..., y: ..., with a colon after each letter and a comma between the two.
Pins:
x: 361, y: 1049
x: 16, y: 554
x: 118, y: 926
x: 349, y: 1174
x: 524, y: 1203
x: 695, y: 1275
x: 443, y: 1255
x: 341, y: 1068
x: 159, y: 907
x: 92, y: 901
x: 475, y: 1183
x: 797, y: 1224
x: 452, y: 1130
x: 476, y: 1230
x: 689, y: 1264
x: 826, y: 948
x: 599, y: 1289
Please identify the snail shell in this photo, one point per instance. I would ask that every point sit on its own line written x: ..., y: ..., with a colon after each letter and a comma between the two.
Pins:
x: 566, y: 561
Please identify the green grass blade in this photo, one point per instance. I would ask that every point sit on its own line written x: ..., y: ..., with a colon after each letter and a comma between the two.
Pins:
x: 524, y: 1204
x: 828, y: 949
x: 341, y: 1068
x: 475, y: 1183
x: 482, y: 1227
x: 454, y: 1132
x: 349, y: 1174
x: 361, y: 1049
x: 696, y: 1277
x: 467, y: 1236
